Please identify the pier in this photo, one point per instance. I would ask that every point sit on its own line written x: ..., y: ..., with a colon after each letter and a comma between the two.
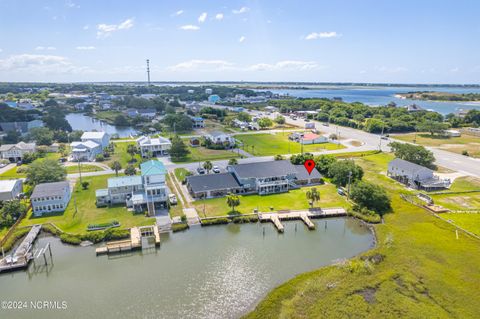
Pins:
x: 303, y: 215
x: 140, y: 238
x: 21, y: 257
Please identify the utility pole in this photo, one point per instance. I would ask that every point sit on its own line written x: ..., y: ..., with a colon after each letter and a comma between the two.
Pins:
x: 381, y: 135
x: 349, y: 180
x: 148, y: 72
x: 80, y: 172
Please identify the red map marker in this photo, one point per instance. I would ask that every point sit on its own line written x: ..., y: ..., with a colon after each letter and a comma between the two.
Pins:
x: 309, y: 165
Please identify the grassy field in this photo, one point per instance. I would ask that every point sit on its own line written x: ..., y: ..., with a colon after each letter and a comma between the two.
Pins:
x: 468, y: 221
x: 200, y: 154
x: 107, y: 116
x: 460, y: 201
x: 84, y: 167
x: 466, y: 142
x: 122, y: 156
x: 12, y: 173
x: 422, y: 270
x: 273, y: 144
x: 180, y: 173
x: 175, y: 210
x: 295, y: 199
x: 88, y: 213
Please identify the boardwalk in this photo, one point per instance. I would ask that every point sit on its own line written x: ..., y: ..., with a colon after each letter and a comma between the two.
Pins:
x: 23, y: 254
x: 303, y: 215
x: 137, y: 234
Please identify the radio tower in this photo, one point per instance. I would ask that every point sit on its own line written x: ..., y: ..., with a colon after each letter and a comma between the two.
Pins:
x: 148, y: 71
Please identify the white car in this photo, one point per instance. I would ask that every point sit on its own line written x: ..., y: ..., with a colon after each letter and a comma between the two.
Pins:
x: 216, y: 169
x: 172, y: 198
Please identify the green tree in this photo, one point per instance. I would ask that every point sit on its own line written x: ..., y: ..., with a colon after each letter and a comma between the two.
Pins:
x: 11, y: 211
x: 207, y: 166
x: 130, y: 170
x: 12, y: 137
x: 41, y: 135
x: 278, y: 157
x: 132, y: 150
x: 245, y: 117
x: 233, y: 201
x: 232, y: 161
x: 339, y: 173
x: 54, y: 119
x: 313, y: 196
x: 85, y: 185
x: 45, y: 171
x: 265, y: 122
x: 279, y: 119
x: 179, y: 150
x: 370, y: 196
x: 432, y: 127
x: 121, y: 120
x: 413, y: 153
x: 116, y: 166
x: 324, y: 162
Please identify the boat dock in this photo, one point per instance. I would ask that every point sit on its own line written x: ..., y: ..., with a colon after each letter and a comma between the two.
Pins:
x: 21, y: 257
x: 303, y: 215
x: 140, y: 238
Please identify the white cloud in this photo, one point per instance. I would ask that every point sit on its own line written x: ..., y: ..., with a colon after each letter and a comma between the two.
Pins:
x: 201, y: 65
x: 105, y: 30
x: 37, y: 63
x: 322, y: 35
x: 72, y: 5
x: 202, y: 17
x: 41, y: 48
x: 241, y: 10
x: 179, y: 12
x: 285, y: 65
x: 241, y: 39
x: 189, y: 27
x: 219, y: 16
x: 86, y: 48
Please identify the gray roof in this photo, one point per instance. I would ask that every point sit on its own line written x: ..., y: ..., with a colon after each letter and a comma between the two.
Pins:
x: 50, y: 189
x: 302, y: 173
x: 210, y: 182
x: 408, y: 167
x: 264, y: 169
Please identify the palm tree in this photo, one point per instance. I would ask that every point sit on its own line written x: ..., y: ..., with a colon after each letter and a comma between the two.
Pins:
x: 207, y: 166
x: 132, y: 150
x: 232, y: 201
x: 116, y: 166
x: 313, y: 196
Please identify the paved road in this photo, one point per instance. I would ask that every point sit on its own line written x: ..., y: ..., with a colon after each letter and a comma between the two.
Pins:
x: 7, y: 168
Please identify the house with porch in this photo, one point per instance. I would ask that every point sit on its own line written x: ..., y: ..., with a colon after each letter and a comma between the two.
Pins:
x: 217, y: 137
x: 158, y: 146
x: 147, y: 192
x: 415, y: 176
x: 50, y: 198
x: 15, y: 152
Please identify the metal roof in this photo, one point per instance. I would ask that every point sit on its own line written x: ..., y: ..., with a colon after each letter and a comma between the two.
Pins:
x: 8, y: 184
x: 211, y: 182
x: 409, y: 168
x: 93, y: 135
x: 264, y: 169
x: 152, y: 168
x: 124, y: 181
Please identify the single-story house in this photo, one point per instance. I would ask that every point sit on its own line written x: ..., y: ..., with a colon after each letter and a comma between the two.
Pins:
x: 50, y: 197
x: 452, y: 133
x: 10, y: 189
x: 414, y: 175
x: 312, y: 138
x: 15, y: 152
x: 212, y: 185
x: 195, y: 142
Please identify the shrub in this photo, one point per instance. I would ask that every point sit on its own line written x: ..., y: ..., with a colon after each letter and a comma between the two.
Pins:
x: 245, y: 219
x: 70, y: 239
x: 365, y: 215
x: 214, y: 221
x: 12, y: 239
x: 99, y: 158
x: 179, y: 227
x: 465, y: 152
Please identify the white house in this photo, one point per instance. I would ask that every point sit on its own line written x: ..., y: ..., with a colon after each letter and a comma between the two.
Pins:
x: 15, y: 152
x: 85, y: 151
x: 311, y: 138
x: 218, y: 137
x: 10, y: 188
x: 414, y: 175
x: 197, y: 121
x: 50, y: 197
x: 155, y: 146
x: 453, y: 133
x: 101, y: 138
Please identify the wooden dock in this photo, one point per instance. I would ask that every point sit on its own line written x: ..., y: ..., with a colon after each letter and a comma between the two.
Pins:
x: 21, y: 257
x: 140, y: 237
x: 303, y: 215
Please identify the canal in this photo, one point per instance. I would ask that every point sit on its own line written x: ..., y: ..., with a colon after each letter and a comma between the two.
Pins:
x: 84, y: 122
x: 205, y: 272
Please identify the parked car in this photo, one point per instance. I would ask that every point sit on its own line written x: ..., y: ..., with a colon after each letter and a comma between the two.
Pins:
x: 216, y: 169
x: 326, y: 124
x: 201, y: 170
x: 341, y: 192
x: 19, y: 163
x: 62, y: 159
x: 172, y: 198
x: 384, y: 138
x: 2, y: 165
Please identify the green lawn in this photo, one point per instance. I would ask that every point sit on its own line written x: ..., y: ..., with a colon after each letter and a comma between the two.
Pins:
x: 466, y: 142
x: 12, y: 173
x: 122, y: 156
x: 460, y: 201
x: 84, y: 168
x: 470, y: 222
x: 294, y: 199
x: 423, y: 272
x: 273, y: 144
x: 181, y: 173
x: 175, y: 210
x: 107, y: 116
x: 88, y: 213
x: 200, y: 154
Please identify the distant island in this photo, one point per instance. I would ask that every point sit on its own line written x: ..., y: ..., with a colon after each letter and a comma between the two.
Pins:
x: 440, y: 96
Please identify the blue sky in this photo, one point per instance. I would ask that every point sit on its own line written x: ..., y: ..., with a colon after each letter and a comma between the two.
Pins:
x: 342, y: 41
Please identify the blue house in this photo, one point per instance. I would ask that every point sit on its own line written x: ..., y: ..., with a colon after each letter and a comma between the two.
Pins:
x: 213, y: 98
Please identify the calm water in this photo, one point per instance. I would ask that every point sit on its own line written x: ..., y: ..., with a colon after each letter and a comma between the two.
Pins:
x: 384, y: 95
x: 210, y: 272
x: 87, y: 123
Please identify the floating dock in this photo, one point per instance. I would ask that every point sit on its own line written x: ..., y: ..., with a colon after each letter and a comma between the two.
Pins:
x: 21, y: 257
x: 140, y: 238
x: 303, y: 215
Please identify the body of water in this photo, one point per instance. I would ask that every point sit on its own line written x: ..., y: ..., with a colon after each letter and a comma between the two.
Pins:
x: 383, y: 95
x: 84, y: 122
x: 205, y: 272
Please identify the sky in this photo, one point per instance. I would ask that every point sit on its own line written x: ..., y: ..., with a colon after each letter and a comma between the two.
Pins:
x: 283, y: 40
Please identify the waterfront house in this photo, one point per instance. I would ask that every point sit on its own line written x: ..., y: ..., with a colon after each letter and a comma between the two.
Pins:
x: 415, y: 176
x: 85, y: 151
x: 10, y: 189
x: 145, y: 192
x: 253, y: 178
x: 155, y: 146
x: 50, y: 198
x: 15, y: 152
x: 101, y: 138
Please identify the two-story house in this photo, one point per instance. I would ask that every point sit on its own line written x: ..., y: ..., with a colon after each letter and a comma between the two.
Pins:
x: 146, y: 192
x: 10, y: 189
x: 217, y: 137
x: 153, y: 146
x: 50, y: 197
x: 15, y: 152
x: 91, y: 144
